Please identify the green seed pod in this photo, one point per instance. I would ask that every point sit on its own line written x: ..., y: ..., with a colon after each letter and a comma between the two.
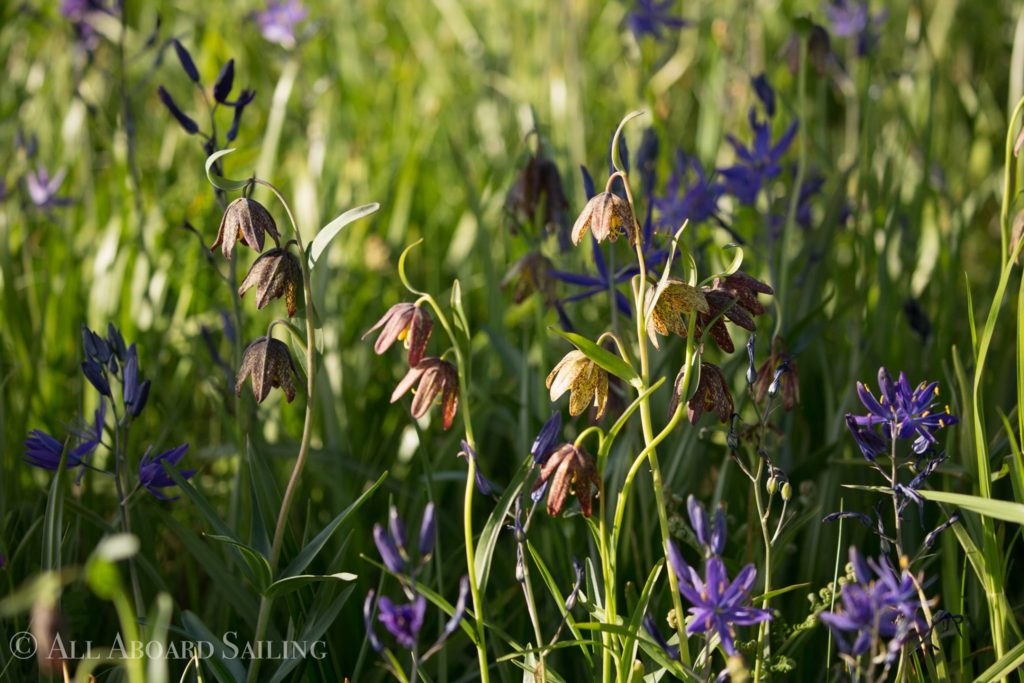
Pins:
x: 772, y: 485
x: 787, y: 491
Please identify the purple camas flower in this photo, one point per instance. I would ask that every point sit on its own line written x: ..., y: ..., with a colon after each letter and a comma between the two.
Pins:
x: 756, y: 165
x: 901, y: 411
x: 135, y: 393
x: 651, y: 17
x: 278, y: 21
x: 403, y: 621
x: 43, y: 188
x: 547, y: 438
x: 79, y: 13
x: 483, y: 484
x: 718, y: 605
x: 684, y: 199
x: 852, y: 19
x: 387, y: 546
x: 155, y: 478
x: 44, y: 451
x: 880, y: 610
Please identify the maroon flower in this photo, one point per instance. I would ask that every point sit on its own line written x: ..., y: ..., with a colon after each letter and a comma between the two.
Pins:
x: 403, y: 322
x: 433, y: 377
x: 568, y: 470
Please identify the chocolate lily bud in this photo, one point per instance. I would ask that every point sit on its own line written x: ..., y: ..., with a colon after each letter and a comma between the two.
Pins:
x: 608, y: 216
x: 246, y: 221
x: 269, y: 363
x: 275, y: 274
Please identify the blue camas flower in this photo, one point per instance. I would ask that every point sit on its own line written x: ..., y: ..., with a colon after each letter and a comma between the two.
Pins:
x: 718, y: 604
x: 652, y: 17
x: 403, y: 621
x: 155, y: 478
x: 689, y: 195
x: 278, y: 21
x: 757, y: 164
x: 852, y: 19
x: 711, y: 536
x: 901, y: 411
x: 880, y: 610
x: 44, y: 451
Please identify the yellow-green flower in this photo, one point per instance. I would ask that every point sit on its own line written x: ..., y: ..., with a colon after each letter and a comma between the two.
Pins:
x: 608, y: 215
x: 586, y: 381
x: 672, y: 301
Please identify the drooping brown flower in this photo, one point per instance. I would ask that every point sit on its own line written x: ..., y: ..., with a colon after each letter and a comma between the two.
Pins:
x: 712, y: 395
x: 532, y: 273
x: 732, y: 298
x: 246, y: 221
x: 269, y: 363
x: 568, y: 471
x: 745, y: 288
x: 608, y: 216
x: 672, y: 301
x: 434, y: 377
x: 586, y: 381
x: 275, y: 274
x: 405, y: 322
x: 538, y: 194
x: 779, y: 369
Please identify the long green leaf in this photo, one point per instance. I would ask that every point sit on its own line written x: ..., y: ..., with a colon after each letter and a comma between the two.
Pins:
x: 988, y: 507
x: 294, y: 583
x: 313, y: 548
x: 334, y: 228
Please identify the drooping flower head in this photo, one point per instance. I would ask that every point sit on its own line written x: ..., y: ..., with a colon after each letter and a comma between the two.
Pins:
x: 404, y: 322
x: 538, y: 196
x: 276, y: 274
x: 901, y: 411
x: 433, y: 377
x: 567, y: 471
x: 673, y: 299
x: 607, y: 215
x: 586, y: 381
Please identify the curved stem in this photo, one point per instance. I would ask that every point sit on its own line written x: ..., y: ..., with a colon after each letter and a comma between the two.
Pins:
x: 467, y: 506
x: 307, y: 427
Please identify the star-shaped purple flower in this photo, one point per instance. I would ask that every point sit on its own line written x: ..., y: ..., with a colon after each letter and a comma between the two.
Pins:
x: 154, y: 477
x: 689, y: 195
x: 652, y: 17
x: 403, y: 621
x: 757, y: 164
x: 277, y: 23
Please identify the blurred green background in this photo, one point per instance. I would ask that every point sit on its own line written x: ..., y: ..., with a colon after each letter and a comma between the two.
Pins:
x: 427, y: 107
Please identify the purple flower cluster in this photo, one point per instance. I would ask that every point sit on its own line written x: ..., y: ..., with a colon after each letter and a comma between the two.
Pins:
x: 279, y: 20
x: 404, y: 620
x: 903, y: 412
x: 881, y: 610
x: 108, y: 360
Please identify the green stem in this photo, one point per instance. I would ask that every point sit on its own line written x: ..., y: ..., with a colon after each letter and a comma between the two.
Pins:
x: 762, y: 514
x: 307, y: 427
x: 467, y: 509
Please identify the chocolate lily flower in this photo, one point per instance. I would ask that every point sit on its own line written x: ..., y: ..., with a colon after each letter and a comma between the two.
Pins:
x: 671, y: 302
x: 532, y: 273
x: 745, y: 288
x: 406, y: 322
x: 585, y: 379
x: 538, y: 193
x: 435, y: 377
x: 246, y: 221
x: 608, y: 215
x: 568, y: 470
x: 270, y: 365
x: 712, y: 395
x: 275, y: 274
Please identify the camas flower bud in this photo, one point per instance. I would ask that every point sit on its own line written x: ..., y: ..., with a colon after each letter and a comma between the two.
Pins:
x: 246, y: 221
x: 270, y: 365
x: 275, y: 274
x: 225, y: 82
x: 608, y: 216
